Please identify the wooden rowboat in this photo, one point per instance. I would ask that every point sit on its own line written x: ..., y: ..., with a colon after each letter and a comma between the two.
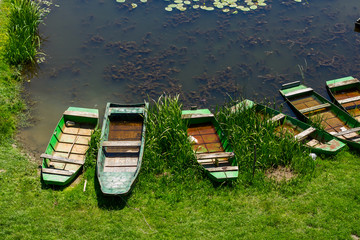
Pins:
x: 213, y: 151
x: 312, y: 107
x: 65, y: 153
x: 121, y: 147
x: 346, y: 94
x: 316, y: 140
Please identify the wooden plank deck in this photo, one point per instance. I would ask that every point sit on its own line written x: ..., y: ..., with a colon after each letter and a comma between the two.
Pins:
x: 121, y: 144
x: 277, y: 117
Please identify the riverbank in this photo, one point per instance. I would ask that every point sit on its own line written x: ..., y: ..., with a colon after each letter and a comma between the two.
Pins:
x: 177, y: 204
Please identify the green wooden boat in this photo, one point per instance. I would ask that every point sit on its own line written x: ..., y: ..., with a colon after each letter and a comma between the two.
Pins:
x: 316, y: 140
x: 121, y: 147
x: 312, y: 107
x: 65, y: 153
x: 213, y: 151
x: 346, y: 94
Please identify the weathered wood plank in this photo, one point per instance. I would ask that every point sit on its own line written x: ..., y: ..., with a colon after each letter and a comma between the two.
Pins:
x: 305, y: 90
x: 57, y: 171
x: 317, y: 107
x: 120, y: 169
x: 347, y: 100
x: 304, y: 134
x: 202, y: 156
x: 121, y: 143
x: 121, y: 162
x: 222, y: 169
x: 81, y: 114
x: 211, y: 160
x: 357, y: 129
x: 343, y: 83
x: 61, y: 159
x: 192, y: 116
x: 277, y: 117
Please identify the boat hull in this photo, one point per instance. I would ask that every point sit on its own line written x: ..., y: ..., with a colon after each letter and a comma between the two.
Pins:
x: 212, y: 150
x: 313, y: 108
x: 121, y: 147
x: 317, y: 141
x: 65, y: 153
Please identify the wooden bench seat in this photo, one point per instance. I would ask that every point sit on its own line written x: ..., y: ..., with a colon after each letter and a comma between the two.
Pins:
x: 222, y: 169
x: 202, y: 156
x: 57, y: 171
x: 121, y: 143
x: 192, y: 116
x: 212, y: 160
x: 305, y: 90
x: 277, y: 117
x: 343, y: 83
x: 317, y: 107
x: 347, y: 100
x: 81, y: 114
x: 357, y: 129
x: 304, y: 134
x: 61, y: 159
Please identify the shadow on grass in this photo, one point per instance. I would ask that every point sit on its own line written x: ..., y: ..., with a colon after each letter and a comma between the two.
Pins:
x: 109, y: 202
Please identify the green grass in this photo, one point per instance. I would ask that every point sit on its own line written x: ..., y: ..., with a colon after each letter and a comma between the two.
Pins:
x: 184, y: 203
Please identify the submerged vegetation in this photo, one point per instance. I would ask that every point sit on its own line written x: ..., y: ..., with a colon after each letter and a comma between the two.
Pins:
x: 23, y: 42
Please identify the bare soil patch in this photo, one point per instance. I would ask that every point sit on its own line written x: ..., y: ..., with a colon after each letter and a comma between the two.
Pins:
x: 280, y: 174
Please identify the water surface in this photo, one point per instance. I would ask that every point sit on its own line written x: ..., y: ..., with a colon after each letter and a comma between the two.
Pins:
x: 100, y: 51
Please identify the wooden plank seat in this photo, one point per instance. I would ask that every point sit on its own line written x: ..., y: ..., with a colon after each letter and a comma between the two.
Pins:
x: 81, y: 114
x: 317, y: 107
x: 202, y: 156
x: 192, y: 116
x: 277, y: 117
x: 304, y: 134
x: 343, y: 83
x: 305, y: 90
x: 347, y: 100
x: 61, y: 159
x: 57, y: 171
x: 222, y: 169
x: 357, y: 129
x: 121, y: 162
x: 212, y: 160
x: 121, y: 144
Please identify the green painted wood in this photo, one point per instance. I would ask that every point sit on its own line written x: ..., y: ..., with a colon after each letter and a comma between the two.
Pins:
x: 117, y: 169
x: 330, y: 145
x: 50, y: 176
x: 338, y: 112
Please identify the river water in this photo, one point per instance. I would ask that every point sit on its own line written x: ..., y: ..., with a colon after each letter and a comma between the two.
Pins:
x: 101, y: 51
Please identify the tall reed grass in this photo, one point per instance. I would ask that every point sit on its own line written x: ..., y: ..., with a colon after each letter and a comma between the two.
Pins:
x: 167, y: 147
x: 22, y: 30
x: 247, y: 128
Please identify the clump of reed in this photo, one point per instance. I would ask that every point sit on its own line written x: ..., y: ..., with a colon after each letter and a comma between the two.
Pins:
x: 91, y: 154
x: 22, y: 31
x: 248, y: 130
x: 167, y: 147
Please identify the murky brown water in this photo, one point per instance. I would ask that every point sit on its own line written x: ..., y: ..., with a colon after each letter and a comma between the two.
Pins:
x: 100, y: 51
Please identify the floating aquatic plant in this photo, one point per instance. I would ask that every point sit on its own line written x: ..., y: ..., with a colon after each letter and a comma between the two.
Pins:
x: 226, y: 6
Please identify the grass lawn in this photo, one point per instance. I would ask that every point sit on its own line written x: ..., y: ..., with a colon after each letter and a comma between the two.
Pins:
x: 182, y: 204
